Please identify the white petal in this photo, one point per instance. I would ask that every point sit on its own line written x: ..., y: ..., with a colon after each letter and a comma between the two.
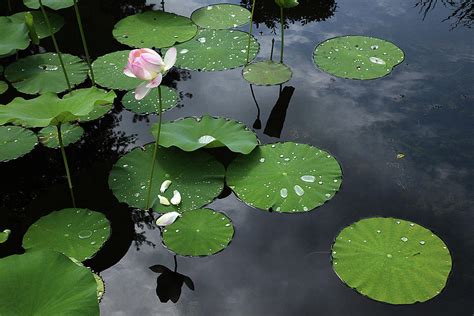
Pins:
x: 167, y: 219
x: 165, y: 185
x: 163, y: 200
x: 170, y: 58
x: 176, y: 199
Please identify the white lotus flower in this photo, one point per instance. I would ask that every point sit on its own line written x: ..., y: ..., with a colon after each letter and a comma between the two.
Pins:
x: 163, y: 200
x: 165, y: 185
x: 176, y: 199
x: 167, y: 219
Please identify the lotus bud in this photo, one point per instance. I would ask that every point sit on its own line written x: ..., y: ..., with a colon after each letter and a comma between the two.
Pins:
x: 176, y: 199
x: 165, y: 185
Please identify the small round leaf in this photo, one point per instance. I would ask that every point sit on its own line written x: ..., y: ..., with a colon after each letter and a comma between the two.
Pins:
x: 39, y: 22
x: 267, y: 73
x: 16, y: 142
x: 71, y: 133
x: 150, y: 103
x: 221, y: 16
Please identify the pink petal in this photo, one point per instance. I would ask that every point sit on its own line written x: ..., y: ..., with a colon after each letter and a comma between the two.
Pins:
x: 155, y: 82
x: 170, y: 58
x: 128, y: 71
x: 140, y: 72
x: 152, y: 58
x: 141, y: 91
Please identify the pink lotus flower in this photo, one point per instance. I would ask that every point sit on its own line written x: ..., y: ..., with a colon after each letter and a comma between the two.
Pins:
x: 146, y: 64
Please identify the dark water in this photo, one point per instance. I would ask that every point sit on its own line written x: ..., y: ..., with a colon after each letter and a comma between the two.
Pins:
x: 280, y: 264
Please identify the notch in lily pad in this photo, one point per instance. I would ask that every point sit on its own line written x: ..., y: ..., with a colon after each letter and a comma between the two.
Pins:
x: 221, y: 16
x: 16, y: 142
x: 391, y: 260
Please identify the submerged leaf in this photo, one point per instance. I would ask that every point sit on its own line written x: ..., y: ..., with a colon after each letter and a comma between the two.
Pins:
x: 15, y: 142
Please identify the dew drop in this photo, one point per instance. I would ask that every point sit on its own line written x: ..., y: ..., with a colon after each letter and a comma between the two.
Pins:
x: 298, y: 190
x: 284, y: 193
x: 404, y: 239
x: 308, y: 178
x: 83, y: 234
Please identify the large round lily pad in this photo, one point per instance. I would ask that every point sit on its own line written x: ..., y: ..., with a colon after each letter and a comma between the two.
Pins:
x: 46, y: 283
x: 267, y: 73
x: 43, y: 73
x: 13, y: 36
x: 201, y: 232
x: 16, y: 142
x: 391, y: 260
x: 108, y: 71
x: 221, y: 16
x: 285, y: 177
x: 213, y: 50
x: 197, y: 176
x: 71, y: 133
x: 156, y: 29
x: 48, y: 109
x: 192, y: 133
x: 3, y: 87
x: 53, y: 4
x: 39, y: 22
x: 357, y: 57
x: 77, y: 233
x: 150, y: 103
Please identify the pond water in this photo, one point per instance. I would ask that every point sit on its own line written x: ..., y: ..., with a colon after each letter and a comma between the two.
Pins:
x: 280, y: 264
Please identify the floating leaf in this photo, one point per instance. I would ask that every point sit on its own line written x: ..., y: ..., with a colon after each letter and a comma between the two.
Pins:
x: 221, y: 16
x: 391, y: 260
x: 13, y: 36
x: 53, y: 4
x: 71, y: 133
x: 39, y: 22
x: 43, y: 73
x: 197, y: 176
x: 357, y: 57
x: 267, y: 73
x: 3, y: 87
x: 156, y: 29
x: 108, y: 71
x: 285, y: 177
x: 150, y: 104
x: 48, y: 109
x: 77, y: 233
x: 201, y: 232
x: 16, y: 142
x: 213, y: 50
x: 4, y: 235
x: 46, y: 283
x: 193, y: 133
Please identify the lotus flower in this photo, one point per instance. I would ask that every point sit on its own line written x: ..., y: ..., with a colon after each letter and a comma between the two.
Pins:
x: 147, y: 65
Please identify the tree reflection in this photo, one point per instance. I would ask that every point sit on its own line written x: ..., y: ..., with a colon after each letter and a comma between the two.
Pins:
x: 462, y: 10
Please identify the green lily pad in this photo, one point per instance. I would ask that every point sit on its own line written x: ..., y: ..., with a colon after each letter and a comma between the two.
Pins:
x: 285, y: 177
x: 39, y: 22
x: 16, y: 142
x: 197, y: 176
x: 267, y: 73
x: 156, y: 29
x: 192, y: 133
x: 214, y: 50
x: 357, y: 57
x: 71, y: 133
x: 201, y: 232
x: 48, y: 109
x: 108, y: 71
x: 46, y: 283
x: 3, y: 87
x: 78, y: 233
x: 4, y: 235
x: 43, y: 73
x: 53, y: 4
x: 150, y: 103
x: 391, y: 260
x: 13, y: 36
x: 221, y: 16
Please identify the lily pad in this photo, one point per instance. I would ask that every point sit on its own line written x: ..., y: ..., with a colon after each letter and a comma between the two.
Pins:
x: 391, y: 260
x: 46, y: 283
x: 285, y: 177
x: 13, y: 36
x: 156, y: 29
x: 192, y: 133
x: 197, y: 176
x: 201, y: 232
x: 4, y: 235
x: 48, y: 109
x: 150, y: 104
x: 214, y: 50
x: 53, y: 4
x: 267, y: 73
x: 77, y: 233
x: 43, y: 73
x: 71, y: 133
x: 39, y: 22
x: 16, y: 142
x: 357, y: 57
x: 3, y: 87
x: 108, y: 71
x: 221, y: 16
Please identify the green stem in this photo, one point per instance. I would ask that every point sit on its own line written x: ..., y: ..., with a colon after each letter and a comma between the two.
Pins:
x: 9, y: 6
x: 250, y: 31
x: 66, y: 165
x: 84, y: 42
x: 48, y: 23
x: 282, y: 34
x: 155, y: 149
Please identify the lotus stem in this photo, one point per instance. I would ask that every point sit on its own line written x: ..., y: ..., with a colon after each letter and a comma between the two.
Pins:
x: 175, y: 264
x: 250, y: 31
x: 55, y: 43
x: 155, y: 149
x: 282, y: 18
x: 84, y: 42
x: 9, y: 6
x: 66, y: 165
x: 273, y: 46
